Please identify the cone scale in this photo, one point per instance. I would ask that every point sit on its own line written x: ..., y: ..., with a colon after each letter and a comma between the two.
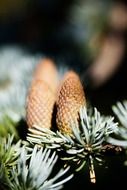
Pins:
x: 70, y: 98
x: 41, y: 96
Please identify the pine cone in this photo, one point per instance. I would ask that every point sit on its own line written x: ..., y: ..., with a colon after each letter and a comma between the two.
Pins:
x: 40, y: 103
x: 70, y: 98
x: 41, y: 96
x: 47, y: 72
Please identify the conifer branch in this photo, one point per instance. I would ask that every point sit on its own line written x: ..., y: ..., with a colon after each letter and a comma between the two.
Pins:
x: 120, y: 138
x: 33, y: 173
x: 9, y: 153
x: 87, y: 141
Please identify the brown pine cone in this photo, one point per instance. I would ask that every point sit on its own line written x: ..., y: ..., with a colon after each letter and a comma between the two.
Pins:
x: 47, y: 71
x: 41, y: 96
x: 40, y: 103
x: 70, y: 98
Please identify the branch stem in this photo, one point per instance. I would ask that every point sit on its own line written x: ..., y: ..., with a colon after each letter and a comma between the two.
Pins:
x: 91, y: 170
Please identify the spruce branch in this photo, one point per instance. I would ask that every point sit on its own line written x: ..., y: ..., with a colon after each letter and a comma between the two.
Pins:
x: 84, y: 145
x: 15, y: 80
x: 4, y: 178
x: 9, y: 153
x: 34, y: 173
x: 120, y: 139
